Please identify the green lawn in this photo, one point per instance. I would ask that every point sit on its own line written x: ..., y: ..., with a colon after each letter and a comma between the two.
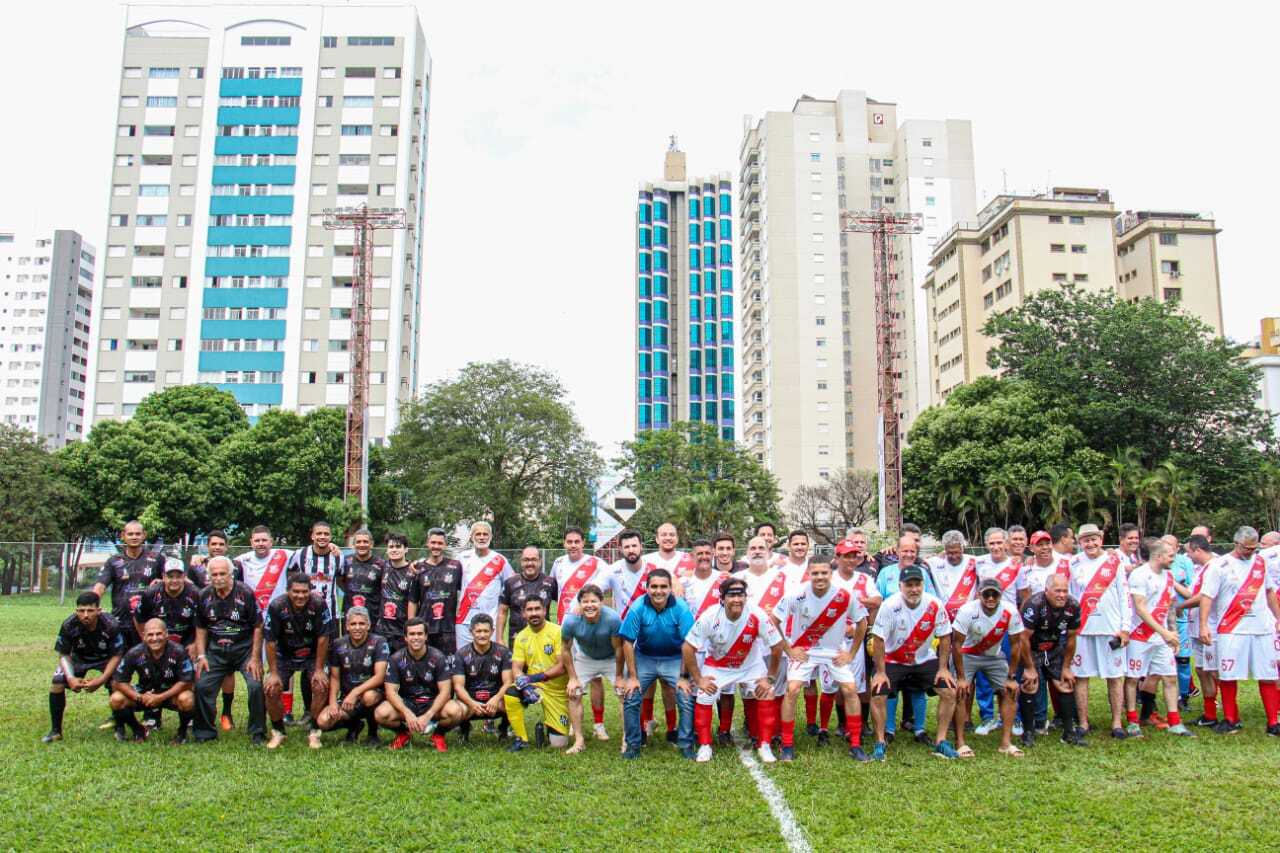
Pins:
x: 1160, y: 793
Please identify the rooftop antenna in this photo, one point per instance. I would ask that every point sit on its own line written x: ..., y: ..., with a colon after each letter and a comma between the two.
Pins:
x: 673, y: 144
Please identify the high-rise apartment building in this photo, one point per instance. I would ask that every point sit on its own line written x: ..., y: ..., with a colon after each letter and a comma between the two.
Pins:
x: 684, y: 300
x: 239, y: 125
x: 46, y: 300
x: 808, y: 303
x: 1021, y: 244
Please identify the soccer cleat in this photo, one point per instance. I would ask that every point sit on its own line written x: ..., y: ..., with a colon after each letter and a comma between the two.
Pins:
x: 856, y: 753
x: 306, y: 722
x: 108, y: 723
x: 1120, y: 734
x: 841, y: 734
x: 1180, y: 730
x: 943, y: 749
x: 878, y: 754
x: 888, y: 737
x: 519, y: 744
x: 1273, y: 730
x: 1206, y: 722
x: 226, y: 722
x: 277, y: 738
x: 140, y: 735
x: 673, y: 737
x: 313, y: 739
x: 1195, y: 691
x: 1133, y: 730
x: 986, y: 727
x: 600, y: 731
x: 788, y: 754
x: 1226, y: 727
x: 824, y: 737
x: 776, y: 741
x: 687, y: 752
x: 1029, y: 738
x: 438, y: 741
x: 765, y: 753
x: 401, y: 741
x: 353, y: 736
x: 1156, y: 720
x: 811, y: 730
x: 151, y: 719
x: 430, y: 727
x: 922, y: 737
x: 725, y: 738
x: 704, y: 753
x: 179, y: 739
x: 1043, y: 728
x: 119, y: 733
x: 1055, y: 723
x: 626, y: 753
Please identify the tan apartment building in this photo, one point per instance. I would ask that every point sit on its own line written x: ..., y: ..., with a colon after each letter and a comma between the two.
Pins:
x: 1172, y: 257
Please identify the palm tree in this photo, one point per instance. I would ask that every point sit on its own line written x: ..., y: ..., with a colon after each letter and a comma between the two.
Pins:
x: 1180, y: 487
x: 1267, y: 491
x: 1000, y: 496
x: 1062, y: 490
x: 960, y: 503
x: 1147, y: 489
x: 1123, y: 469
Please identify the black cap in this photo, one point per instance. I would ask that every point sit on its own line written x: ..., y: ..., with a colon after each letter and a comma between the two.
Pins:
x: 910, y: 573
x: 989, y: 583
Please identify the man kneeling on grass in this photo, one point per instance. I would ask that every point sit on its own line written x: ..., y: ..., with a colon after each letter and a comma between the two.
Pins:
x: 88, y: 640
x: 166, y: 677
x: 357, y: 669
x: 419, y: 685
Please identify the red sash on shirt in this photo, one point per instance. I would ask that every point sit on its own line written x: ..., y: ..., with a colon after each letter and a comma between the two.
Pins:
x: 1159, y: 613
x: 964, y: 588
x: 270, y: 575
x: 638, y: 591
x: 773, y: 593
x: 1244, y: 598
x: 684, y: 567
x: 476, y: 588
x: 1098, y: 586
x: 906, y: 653
x: 992, y: 637
x: 712, y: 597
x: 827, y: 618
x: 576, y: 581
x: 1064, y: 568
x: 737, y: 653
x: 1008, y: 574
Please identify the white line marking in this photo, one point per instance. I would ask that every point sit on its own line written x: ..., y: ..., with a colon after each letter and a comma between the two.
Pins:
x: 791, y: 831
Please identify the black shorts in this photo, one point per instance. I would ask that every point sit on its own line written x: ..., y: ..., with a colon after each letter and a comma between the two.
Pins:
x: 287, y: 666
x: 446, y: 643
x: 911, y: 677
x: 1048, y: 665
x: 80, y: 668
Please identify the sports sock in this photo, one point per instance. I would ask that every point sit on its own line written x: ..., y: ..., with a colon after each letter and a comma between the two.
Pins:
x: 287, y: 701
x: 702, y: 723
x: 515, y: 713
x: 766, y: 720
x: 278, y: 725
x: 811, y: 708
x: 853, y: 730
x: 57, y: 706
x: 1230, y: 709
x: 227, y: 699
x: 1270, y: 700
x: 646, y: 711
x: 184, y: 721
x: 1211, y: 707
x: 841, y: 717
x: 919, y: 709
x: 373, y: 725
x: 1131, y: 716
x: 1175, y: 719
x: 825, y: 705
x: 1027, y: 708
x: 1067, y: 704
x: 788, y: 733
x: 750, y: 710
x: 127, y: 718
x: 671, y: 719
x: 724, y: 708
x: 597, y: 713
x: 353, y: 727
x: 1148, y: 706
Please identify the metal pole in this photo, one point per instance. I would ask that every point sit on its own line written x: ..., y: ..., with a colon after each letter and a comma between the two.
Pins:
x: 62, y: 591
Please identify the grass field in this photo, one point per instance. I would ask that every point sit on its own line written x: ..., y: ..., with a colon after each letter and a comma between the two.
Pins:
x: 1158, y: 793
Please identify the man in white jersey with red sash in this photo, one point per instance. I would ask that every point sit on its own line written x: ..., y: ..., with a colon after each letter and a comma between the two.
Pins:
x: 1238, y: 611
x: 999, y: 564
x: 1198, y: 550
x: 816, y: 618
x: 733, y: 646
x: 1043, y: 563
x: 1130, y: 540
x: 574, y: 570
x: 902, y: 648
x: 767, y: 531
x: 263, y: 568
x: 701, y: 591
x: 668, y: 556
x: 955, y: 574
x: 795, y: 568
x: 863, y: 585
x: 1101, y: 585
x: 483, y: 573
x: 978, y: 630
x: 1154, y: 640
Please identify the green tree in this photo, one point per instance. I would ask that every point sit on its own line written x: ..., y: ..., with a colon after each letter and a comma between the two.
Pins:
x: 1178, y: 486
x: 499, y: 443
x: 214, y: 415
x: 701, y: 483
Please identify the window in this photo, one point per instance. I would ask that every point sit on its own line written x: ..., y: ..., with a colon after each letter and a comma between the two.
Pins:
x: 132, y: 72
x: 328, y: 41
x: 1170, y: 268
x: 357, y: 130
x: 1057, y: 247
x: 390, y: 73
x: 388, y: 130
x: 264, y: 41
x: 1059, y: 277
x: 119, y: 220
x: 196, y: 72
x: 386, y: 189
x: 356, y: 101
x: 126, y: 130
x: 926, y: 143
x: 1079, y: 248
x: 386, y: 159
x: 319, y: 189
x: 815, y: 156
x: 1055, y: 220
x: 324, y: 130
x: 359, y: 71
x: 1168, y: 239
x: 1076, y: 220
x: 160, y: 101
x: 328, y: 73
x: 930, y: 201
x: 157, y: 130
x: 371, y: 41
x: 129, y: 101
x: 1173, y: 294
x: 162, y: 73
x: 174, y: 345
x: 815, y: 176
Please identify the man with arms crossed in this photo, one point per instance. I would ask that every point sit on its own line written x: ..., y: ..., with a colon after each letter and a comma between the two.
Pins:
x: 592, y: 654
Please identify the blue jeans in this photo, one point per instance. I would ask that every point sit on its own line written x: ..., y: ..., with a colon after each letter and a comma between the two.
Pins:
x: 649, y: 670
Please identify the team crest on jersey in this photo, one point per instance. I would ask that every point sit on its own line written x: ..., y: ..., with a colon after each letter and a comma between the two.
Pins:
x: 548, y: 649
x: 832, y: 611
x: 926, y: 624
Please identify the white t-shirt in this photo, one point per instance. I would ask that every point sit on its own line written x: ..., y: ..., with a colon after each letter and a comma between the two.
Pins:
x: 624, y: 579
x: 796, y: 574
x: 1271, y: 556
x: 680, y: 563
x: 977, y: 627
x: 715, y: 635
x: 839, y: 609
x: 896, y: 622
x: 1012, y: 575
x: 1152, y: 586
x: 1110, y: 612
x: 702, y: 594
x: 1037, y: 576
x: 498, y: 570
x: 946, y: 576
x: 861, y: 584
x: 1223, y: 579
x: 563, y: 569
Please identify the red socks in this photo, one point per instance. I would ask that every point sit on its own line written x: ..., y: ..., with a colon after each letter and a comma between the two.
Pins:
x: 788, y: 732
x: 287, y: 701
x: 811, y: 708
x: 751, y: 710
x: 1211, y: 707
x: 725, y: 709
x: 671, y: 719
x: 597, y: 711
x: 702, y: 723
x: 1270, y: 693
x: 1230, y: 709
x: 825, y: 704
x: 646, y: 710
x: 853, y: 729
x: 766, y: 720
x: 1132, y: 716
x: 1174, y: 718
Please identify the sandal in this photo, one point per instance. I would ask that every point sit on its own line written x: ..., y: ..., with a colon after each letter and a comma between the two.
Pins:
x: 965, y: 751
x: 1011, y: 751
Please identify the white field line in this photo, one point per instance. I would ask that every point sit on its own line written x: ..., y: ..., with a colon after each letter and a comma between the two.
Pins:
x: 791, y: 831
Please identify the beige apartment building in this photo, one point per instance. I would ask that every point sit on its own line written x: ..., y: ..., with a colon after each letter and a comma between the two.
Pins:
x: 1018, y: 245
x: 808, y: 364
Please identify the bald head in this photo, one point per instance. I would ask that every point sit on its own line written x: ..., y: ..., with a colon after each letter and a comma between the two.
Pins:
x: 1270, y: 539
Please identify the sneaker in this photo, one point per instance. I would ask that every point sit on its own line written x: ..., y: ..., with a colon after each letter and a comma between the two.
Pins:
x: 52, y: 737
x: 1134, y: 730
x: 1181, y: 730
x: 725, y: 738
x: 856, y: 753
x: 1273, y: 730
x: 306, y: 722
x: 1055, y: 723
x: 811, y: 730
x: 108, y: 723
x: 888, y: 737
x: 776, y: 741
x: 765, y: 753
x: 401, y: 741
x: 841, y: 734
x: 140, y: 735
x: 1029, y: 738
x: 353, y: 736
x: 1043, y: 728
x: 151, y: 719
x: 226, y: 722
x: 600, y: 732
x: 824, y: 737
x: 626, y: 753
x: 1195, y: 691
x: 1017, y: 729
x: 986, y: 727
x: 1228, y: 728
x: 673, y: 737
x: 518, y: 744
x: 922, y: 737
x: 1184, y: 702
x: 788, y: 754
x: 1121, y: 734
x: 878, y: 754
x: 688, y: 753
x: 943, y: 749
x: 438, y: 741
x: 288, y: 720
x: 1074, y: 738
x: 313, y: 739
x: 277, y: 738
x: 1206, y: 722
x: 704, y: 753
x: 119, y: 733
x: 1156, y: 720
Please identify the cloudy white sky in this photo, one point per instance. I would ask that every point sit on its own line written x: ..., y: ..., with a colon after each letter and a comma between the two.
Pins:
x: 546, y: 116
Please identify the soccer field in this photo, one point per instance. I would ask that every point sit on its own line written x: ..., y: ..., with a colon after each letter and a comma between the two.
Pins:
x: 1158, y: 793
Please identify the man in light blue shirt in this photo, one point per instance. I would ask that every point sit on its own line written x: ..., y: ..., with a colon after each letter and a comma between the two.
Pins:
x: 652, y: 642
x: 592, y: 653
x: 1184, y: 572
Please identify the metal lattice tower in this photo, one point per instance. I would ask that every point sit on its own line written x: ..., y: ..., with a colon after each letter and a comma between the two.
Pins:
x: 363, y: 221
x: 882, y: 225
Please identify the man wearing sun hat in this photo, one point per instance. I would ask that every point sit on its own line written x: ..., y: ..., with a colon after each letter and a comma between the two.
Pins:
x: 1101, y: 585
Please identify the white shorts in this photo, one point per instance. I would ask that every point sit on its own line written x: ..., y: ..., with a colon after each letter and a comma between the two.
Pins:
x: 589, y: 669
x: 824, y: 669
x: 858, y: 666
x: 1095, y: 658
x: 1247, y: 657
x: 1206, y: 656
x: 729, y: 680
x: 1150, y: 657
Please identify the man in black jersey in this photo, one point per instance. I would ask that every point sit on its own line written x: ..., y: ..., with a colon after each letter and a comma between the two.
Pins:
x: 399, y: 587
x: 228, y: 640
x: 1051, y: 620
x: 360, y: 576
x: 173, y: 601
x: 165, y: 677
x: 298, y: 630
x: 530, y: 583
x: 439, y: 583
x: 357, y: 669
x: 482, y: 676
x: 127, y: 575
x: 419, y: 684
x: 198, y: 574
x: 88, y: 640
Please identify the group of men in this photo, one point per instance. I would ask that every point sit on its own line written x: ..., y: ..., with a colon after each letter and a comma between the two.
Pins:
x: 429, y: 647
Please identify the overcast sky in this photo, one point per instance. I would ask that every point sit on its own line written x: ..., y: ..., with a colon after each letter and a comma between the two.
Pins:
x: 545, y: 117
